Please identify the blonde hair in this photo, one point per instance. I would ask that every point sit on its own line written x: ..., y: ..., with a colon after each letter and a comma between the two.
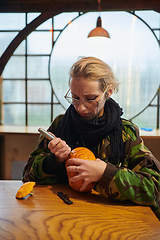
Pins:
x: 92, y: 68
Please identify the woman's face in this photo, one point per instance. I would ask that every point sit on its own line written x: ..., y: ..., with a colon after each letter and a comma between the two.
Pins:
x: 86, y: 91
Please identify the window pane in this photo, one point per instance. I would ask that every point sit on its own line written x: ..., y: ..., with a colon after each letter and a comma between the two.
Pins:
x: 32, y: 16
x: 46, y: 25
x: 150, y: 17
x: 55, y: 100
x: 39, y: 43
x: 38, y: 67
x: 55, y: 34
x: 61, y: 20
x: 142, y: 119
x: 15, y: 68
x: 14, y: 114
x: 13, y: 91
x: 20, y: 49
x: 5, y: 39
x: 39, y: 115
x: 39, y: 91
x: 12, y: 21
x: 57, y: 110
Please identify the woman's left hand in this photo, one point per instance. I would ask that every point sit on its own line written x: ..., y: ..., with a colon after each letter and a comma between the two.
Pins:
x: 89, y: 171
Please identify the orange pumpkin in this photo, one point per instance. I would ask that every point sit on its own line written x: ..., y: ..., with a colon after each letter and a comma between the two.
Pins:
x: 83, y: 153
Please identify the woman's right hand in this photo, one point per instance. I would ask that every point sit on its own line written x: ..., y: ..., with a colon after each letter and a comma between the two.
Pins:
x: 59, y: 148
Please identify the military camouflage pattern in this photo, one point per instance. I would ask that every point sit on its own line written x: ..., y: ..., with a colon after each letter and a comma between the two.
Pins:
x: 137, y: 180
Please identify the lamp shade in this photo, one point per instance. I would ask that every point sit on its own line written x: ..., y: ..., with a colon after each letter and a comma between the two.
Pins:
x: 99, y: 31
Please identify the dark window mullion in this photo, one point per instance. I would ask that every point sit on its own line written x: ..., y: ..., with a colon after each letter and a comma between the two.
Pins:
x: 26, y: 90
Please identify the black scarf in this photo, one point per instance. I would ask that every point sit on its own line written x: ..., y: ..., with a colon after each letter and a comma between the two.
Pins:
x: 74, y: 128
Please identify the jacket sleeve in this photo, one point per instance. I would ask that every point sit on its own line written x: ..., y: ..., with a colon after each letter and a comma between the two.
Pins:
x: 42, y: 166
x: 138, y: 180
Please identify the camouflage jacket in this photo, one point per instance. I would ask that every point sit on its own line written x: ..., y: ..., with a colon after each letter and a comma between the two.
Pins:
x: 137, y: 180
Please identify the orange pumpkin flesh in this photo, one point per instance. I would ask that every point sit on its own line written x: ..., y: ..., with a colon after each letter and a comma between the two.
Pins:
x: 82, y: 153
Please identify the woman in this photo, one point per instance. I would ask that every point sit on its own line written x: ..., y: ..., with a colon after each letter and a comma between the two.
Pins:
x: 124, y: 168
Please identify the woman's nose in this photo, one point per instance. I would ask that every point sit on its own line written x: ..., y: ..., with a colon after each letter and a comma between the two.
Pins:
x: 81, y: 107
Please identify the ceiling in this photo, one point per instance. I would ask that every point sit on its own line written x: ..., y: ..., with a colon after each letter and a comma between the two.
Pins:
x: 77, y: 5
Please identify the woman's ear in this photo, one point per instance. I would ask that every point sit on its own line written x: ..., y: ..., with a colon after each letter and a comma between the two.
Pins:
x: 109, y: 91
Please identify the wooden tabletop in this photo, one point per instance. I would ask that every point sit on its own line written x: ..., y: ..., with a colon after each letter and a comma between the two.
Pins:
x: 44, y: 216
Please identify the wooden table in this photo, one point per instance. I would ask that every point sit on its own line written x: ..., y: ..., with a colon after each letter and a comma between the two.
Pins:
x: 44, y: 216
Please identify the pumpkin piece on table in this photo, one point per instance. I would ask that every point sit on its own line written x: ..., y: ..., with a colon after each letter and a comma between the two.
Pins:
x: 25, y: 189
x: 82, y: 153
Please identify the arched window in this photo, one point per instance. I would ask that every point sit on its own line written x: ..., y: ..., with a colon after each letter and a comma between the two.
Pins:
x: 35, y: 78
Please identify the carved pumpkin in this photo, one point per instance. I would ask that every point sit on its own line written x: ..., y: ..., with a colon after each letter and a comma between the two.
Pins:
x: 83, y: 153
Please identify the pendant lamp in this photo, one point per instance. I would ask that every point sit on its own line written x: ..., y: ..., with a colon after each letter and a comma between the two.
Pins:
x: 99, y: 31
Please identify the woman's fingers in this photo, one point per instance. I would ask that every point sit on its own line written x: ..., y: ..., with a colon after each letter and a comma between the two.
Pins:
x: 78, y: 177
x: 84, y: 186
x: 89, y: 171
x: 76, y: 161
x: 59, y: 148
